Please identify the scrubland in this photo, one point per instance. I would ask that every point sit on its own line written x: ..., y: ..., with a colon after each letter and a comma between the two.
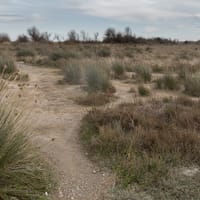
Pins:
x: 143, y: 112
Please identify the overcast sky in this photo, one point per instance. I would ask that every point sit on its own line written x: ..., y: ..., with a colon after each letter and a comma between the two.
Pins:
x: 166, y: 18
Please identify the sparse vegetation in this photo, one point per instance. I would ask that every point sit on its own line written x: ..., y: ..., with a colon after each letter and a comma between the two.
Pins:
x: 144, y: 142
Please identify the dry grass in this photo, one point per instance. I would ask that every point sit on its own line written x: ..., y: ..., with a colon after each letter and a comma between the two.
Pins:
x: 95, y: 99
x: 143, y: 142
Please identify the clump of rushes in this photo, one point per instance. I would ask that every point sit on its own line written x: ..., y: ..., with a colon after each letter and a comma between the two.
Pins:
x: 168, y: 82
x: 97, y: 80
x: 143, y: 91
x: 23, y: 175
x: 144, y: 73
x: 119, y: 70
x: 72, y: 73
x: 7, y: 65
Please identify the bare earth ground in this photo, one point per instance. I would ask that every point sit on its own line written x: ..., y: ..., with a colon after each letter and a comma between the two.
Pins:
x: 55, y: 121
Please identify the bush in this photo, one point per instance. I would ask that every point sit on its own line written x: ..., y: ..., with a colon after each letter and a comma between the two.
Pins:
x: 97, y: 80
x: 22, y: 38
x: 4, y: 37
x: 168, y: 82
x: 143, y: 91
x: 192, y: 86
x: 118, y: 69
x: 157, y: 68
x: 23, y: 175
x: 7, y: 65
x: 57, y: 55
x: 25, y: 53
x: 104, y: 52
x: 144, y: 73
x: 72, y: 73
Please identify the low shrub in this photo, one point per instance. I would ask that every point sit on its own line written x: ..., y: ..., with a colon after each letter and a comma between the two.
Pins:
x: 157, y: 69
x: 25, y: 53
x: 104, y: 52
x: 144, y: 73
x: 143, y: 91
x: 4, y: 37
x: 97, y: 80
x: 168, y: 82
x: 7, y: 65
x: 72, y: 73
x: 118, y: 69
x: 192, y: 86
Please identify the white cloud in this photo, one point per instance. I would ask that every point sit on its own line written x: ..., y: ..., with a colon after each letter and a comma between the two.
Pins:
x: 136, y: 10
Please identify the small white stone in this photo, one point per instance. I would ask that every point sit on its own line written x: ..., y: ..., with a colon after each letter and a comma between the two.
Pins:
x: 46, y: 194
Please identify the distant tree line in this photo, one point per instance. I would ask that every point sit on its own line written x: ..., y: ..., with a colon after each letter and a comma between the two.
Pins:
x: 110, y: 36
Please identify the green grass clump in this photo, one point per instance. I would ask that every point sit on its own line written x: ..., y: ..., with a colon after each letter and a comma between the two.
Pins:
x: 192, y: 86
x: 72, y: 73
x: 23, y: 175
x: 97, y: 80
x: 118, y: 69
x: 7, y: 65
x: 168, y: 82
x: 143, y: 91
x: 144, y: 73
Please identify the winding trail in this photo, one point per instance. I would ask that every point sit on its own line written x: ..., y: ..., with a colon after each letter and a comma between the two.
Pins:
x: 55, y: 121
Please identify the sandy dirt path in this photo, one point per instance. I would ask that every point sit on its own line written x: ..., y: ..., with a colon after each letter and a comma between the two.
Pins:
x: 55, y: 121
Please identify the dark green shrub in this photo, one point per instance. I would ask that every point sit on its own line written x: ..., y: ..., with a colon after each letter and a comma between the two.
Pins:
x: 143, y: 91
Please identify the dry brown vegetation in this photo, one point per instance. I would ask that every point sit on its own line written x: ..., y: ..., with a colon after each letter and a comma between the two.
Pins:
x: 150, y: 144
